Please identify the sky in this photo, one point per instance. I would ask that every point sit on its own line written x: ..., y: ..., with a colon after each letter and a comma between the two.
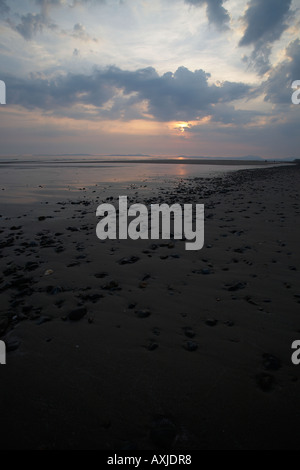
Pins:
x: 158, y: 77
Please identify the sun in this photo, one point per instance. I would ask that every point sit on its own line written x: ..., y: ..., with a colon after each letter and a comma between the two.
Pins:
x: 181, y: 126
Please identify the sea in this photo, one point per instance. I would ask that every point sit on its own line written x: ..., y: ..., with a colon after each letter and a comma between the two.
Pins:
x: 28, y: 179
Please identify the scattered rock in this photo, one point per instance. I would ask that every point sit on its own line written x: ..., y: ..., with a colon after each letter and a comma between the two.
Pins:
x: 152, y: 346
x: 266, y: 382
x: 144, y: 313
x: 77, y: 314
x: 129, y: 260
x: 239, y: 285
x: 73, y: 264
x: 31, y: 266
x: 48, y: 272
x: 101, y: 275
x: 91, y: 297
x: 190, y: 346
x: 211, y: 322
x: 205, y: 271
x: 43, y: 319
x: 56, y: 290
x: 189, y: 332
x: 271, y: 362
x: 112, y: 285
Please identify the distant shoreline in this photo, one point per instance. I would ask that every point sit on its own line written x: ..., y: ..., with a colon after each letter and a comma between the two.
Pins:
x: 189, y: 161
x: 186, y: 161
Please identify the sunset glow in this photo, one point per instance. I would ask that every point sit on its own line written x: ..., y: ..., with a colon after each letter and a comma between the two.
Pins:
x: 172, y: 75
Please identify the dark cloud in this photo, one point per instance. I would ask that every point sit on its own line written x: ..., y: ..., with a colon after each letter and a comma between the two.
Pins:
x: 227, y: 114
x: 265, y: 21
x: 183, y: 95
x: 34, y: 23
x: 4, y: 8
x: 269, y: 139
x: 277, y: 88
x: 215, y: 11
x: 59, y: 92
x: 30, y: 25
x: 115, y: 93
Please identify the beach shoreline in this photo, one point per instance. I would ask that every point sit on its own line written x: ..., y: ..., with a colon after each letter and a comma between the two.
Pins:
x: 167, y: 349
x: 145, y: 160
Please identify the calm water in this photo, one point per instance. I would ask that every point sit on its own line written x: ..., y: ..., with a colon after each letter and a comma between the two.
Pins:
x: 29, y: 180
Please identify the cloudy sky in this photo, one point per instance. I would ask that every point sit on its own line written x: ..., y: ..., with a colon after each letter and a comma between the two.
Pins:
x: 167, y: 77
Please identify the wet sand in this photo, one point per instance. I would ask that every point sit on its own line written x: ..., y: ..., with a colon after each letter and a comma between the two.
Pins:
x: 123, y: 344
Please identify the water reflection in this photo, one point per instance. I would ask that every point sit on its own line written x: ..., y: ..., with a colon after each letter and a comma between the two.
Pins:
x: 25, y: 182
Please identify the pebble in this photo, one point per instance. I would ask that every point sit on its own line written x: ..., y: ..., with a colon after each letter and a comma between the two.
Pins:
x: 42, y: 319
x: 132, y: 305
x: 271, y: 362
x: 266, y: 382
x: 77, y: 314
x: 56, y: 290
x: 112, y: 285
x: 189, y: 332
x: 31, y: 266
x: 48, y: 272
x: 211, y: 322
x: 101, y: 275
x: 239, y: 285
x: 205, y: 271
x: 144, y: 313
x: 130, y: 260
x: 190, y: 346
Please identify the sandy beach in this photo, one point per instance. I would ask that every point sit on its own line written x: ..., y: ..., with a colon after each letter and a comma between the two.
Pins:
x: 123, y: 344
